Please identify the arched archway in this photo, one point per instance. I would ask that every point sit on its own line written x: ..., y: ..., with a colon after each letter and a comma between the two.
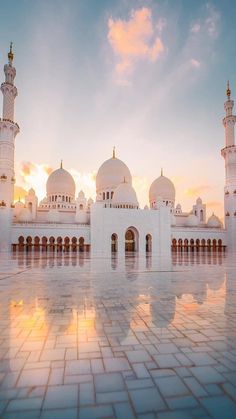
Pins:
x: 186, y: 244
x: 36, y: 242
x: 174, y: 242
x: 81, y: 244
x: 67, y: 244
x: 74, y: 244
x: 114, y: 242
x: 203, y: 243
x: 44, y: 243
x: 214, y: 244
x: 52, y: 243
x: 209, y: 243
x: 21, y: 243
x: 28, y: 243
x: 192, y: 244
x: 220, y: 244
x: 59, y: 244
x: 180, y: 243
x: 131, y: 240
x: 148, y: 243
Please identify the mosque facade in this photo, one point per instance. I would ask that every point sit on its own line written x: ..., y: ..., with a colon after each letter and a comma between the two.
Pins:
x: 114, y: 222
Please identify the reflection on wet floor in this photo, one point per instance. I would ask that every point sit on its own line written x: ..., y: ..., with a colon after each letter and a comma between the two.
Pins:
x: 118, y: 337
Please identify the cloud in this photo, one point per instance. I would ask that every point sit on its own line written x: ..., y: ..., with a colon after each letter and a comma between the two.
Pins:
x: 212, y: 21
x: 133, y: 40
x: 19, y: 193
x: 198, y: 190
x: 161, y: 24
x: 208, y: 25
x: 195, y: 28
x: 195, y: 63
x: 34, y: 175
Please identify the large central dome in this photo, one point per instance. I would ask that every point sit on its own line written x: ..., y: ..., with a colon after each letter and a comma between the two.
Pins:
x: 60, y: 182
x: 111, y: 174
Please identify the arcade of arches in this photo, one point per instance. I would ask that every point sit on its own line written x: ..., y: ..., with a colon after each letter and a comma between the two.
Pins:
x: 52, y: 243
x: 186, y: 244
x: 131, y: 243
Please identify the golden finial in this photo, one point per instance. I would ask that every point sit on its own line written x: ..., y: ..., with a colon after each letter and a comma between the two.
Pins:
x: 114, y: 153
x: 161, y: 171
x: 61, y: 164
x: 228, y: 91
x: 10, y: 53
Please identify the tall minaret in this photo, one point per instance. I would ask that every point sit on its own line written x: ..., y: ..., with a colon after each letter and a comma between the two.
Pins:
x: 8, y: 131
x: 229, y: 154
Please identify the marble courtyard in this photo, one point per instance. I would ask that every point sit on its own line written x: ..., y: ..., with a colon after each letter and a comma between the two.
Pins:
x: 85, y: 337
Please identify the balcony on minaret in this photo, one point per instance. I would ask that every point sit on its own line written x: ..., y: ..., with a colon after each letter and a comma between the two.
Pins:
x: 3, y: 178
x: 3, y: 204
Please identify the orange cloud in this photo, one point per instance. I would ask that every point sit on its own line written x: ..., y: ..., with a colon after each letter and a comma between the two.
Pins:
x: 198, y: 190
x: 135, y: 39
x: 19, y: 193
x: 34, y: 175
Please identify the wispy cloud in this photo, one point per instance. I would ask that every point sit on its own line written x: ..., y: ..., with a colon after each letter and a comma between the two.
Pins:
x: 134, y: 39
x: 212, y: 21
x: 197, y: 190
x: 209, y: 24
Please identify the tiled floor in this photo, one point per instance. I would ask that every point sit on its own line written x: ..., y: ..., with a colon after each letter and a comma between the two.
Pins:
x: 85, y: 337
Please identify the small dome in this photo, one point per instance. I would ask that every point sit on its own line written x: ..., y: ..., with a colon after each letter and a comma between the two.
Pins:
x: 146, y: 207
x: 192, y: 220
x: 53, y: 216
x: 162, y: 187
x: 60, y: 182
x: 214, y: 222
x: 199, y: 201
x: 25, y: 215
x: 178, y: 207
x: 125, y: 195
x: 111, y: 173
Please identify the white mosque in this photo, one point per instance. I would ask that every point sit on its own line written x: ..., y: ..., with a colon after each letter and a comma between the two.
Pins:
x: 115, y: 222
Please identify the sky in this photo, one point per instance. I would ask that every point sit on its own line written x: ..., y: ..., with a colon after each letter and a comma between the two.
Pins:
x: 148, y: 77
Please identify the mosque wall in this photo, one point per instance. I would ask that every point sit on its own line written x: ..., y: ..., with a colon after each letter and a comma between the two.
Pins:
x: 106, y: 222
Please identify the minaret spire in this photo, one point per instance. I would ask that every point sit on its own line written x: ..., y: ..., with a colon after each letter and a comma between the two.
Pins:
x: 8, y: 131
x: 8, y: 89
x: 61, y: 166
x: 230, y: 119
x: 228, y: 91
x: 161, y: 171
x: 10, y: 54
x: 114, y: 153
x: 229, y: 153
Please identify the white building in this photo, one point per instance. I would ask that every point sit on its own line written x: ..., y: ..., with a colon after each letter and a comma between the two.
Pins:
x: 115, y: 222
